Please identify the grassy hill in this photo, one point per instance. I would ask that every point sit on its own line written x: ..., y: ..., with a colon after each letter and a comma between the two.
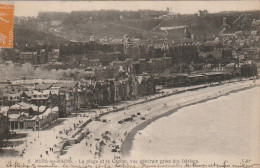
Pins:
x: 83, y: 31
x: 140, y: 27
x: 208, y: 26
x: 24, y: 35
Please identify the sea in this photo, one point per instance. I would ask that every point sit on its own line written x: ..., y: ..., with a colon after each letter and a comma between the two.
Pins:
x: 226, y: 128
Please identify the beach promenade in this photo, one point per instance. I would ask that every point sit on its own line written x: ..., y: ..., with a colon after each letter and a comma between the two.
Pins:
x: 114, y: 137
x: 113, y: 133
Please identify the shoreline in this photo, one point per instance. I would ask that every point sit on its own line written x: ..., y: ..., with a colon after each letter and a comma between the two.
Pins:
x: 127, y: 144
x: 128, y: 130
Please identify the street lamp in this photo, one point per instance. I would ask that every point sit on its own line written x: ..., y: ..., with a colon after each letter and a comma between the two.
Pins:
x: 38, y: 123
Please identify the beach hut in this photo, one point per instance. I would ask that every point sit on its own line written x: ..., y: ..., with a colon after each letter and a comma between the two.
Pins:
x: 128, y: 119
x: 97, y: 139
x: 102, y: 143
x: 108, y: 132
x: 120, y: 122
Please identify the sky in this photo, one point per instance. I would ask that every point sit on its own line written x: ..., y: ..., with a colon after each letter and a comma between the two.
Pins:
x: 32, y: 8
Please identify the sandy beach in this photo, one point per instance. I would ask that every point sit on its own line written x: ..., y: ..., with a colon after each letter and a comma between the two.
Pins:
x: 119, y: 136
x: 128, y: 143
x: 225, y: 128
x: 113, y: 134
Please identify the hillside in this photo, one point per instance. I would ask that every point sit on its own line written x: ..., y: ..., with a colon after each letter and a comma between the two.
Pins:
x: 201, y: 27
x: 24, y: 35
x: 116, y: 29
x: 80, y: 26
